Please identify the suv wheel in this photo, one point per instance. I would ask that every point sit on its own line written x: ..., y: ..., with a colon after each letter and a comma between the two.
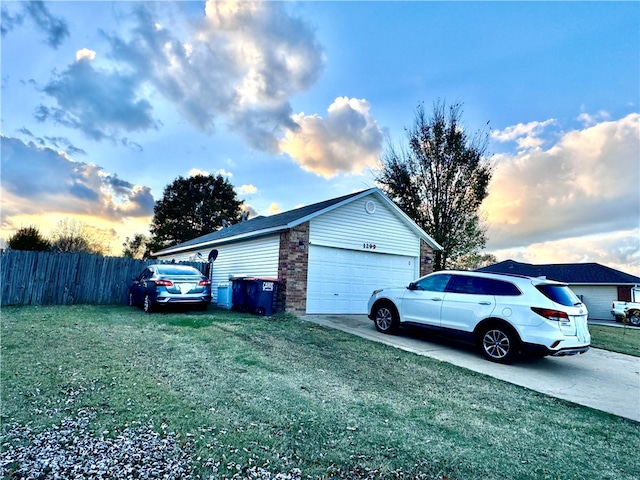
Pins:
x: 386, y: 318
x: 499, y: 344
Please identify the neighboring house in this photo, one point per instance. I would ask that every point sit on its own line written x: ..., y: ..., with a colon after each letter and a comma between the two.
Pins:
x: 328, y: 257
x: 598, y: 286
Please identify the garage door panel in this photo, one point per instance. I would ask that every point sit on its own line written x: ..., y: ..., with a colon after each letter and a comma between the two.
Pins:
x: 341, y: 281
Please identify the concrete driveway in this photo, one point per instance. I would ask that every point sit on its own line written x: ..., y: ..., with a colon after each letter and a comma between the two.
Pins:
x: 598, y: 379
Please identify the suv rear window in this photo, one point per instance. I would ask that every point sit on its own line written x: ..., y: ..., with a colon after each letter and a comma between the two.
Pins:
x: 559, y: 293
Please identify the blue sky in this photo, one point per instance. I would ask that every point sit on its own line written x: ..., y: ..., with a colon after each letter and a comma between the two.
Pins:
x: 106, y: 103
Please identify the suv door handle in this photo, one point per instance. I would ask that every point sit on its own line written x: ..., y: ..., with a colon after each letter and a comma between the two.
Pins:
x: 436, y: 299
x: 484, y: 303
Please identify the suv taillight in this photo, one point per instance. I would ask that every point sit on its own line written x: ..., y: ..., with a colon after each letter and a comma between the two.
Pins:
x: 549, y: 314
x: 164, y: 283
x: 204, y: 283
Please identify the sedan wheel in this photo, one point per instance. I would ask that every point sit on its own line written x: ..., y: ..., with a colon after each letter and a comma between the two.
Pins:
x: 499, y: 345
x: 147, y: 305
x: 386, y: 319
x: 130, y: 300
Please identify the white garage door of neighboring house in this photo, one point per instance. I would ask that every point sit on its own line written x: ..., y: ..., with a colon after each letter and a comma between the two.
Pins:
x: 341, y: 281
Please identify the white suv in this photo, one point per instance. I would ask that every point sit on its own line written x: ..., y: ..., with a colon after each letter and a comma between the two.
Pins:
x: 503, y: 314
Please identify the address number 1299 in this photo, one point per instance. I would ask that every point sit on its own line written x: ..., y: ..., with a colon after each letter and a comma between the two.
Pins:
x: 369, y: 246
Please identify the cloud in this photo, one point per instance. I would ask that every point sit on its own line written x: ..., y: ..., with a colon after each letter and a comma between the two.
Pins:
x: 96, y: 102
x: 526, y: 136
x: 584, y: 184
x: 241, y: 64
x: 37, y: 179
x: 8, y: 20
x: 348, y: 140
x: 85, y: 54
x: 247, y: 189
x: 55, y: 28
x: 194, y: 172
x: 619, y: 250
x: 274, y: 208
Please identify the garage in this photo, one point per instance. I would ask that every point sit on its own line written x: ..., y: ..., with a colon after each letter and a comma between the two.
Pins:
x: 341, y: 281
x: 328, y: 256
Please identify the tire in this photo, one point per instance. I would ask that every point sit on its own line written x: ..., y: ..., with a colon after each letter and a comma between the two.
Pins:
x: 499, y: 343
x: 634, y: 317
x: 147, y: 304
x: 386, y: 318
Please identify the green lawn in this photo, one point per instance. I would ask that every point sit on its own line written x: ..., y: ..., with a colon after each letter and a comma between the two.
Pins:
x: 239, y: 392
x: 616, y: 339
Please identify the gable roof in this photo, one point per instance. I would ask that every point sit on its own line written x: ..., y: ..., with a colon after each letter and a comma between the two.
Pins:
x: 261, y: 225
x: 572, y: 273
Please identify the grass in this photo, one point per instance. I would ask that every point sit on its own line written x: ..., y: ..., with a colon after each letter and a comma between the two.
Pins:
x: 283, y: 394
x: 616, y: 339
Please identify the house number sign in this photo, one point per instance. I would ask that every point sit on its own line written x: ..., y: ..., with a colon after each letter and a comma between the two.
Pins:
x: 369, y: 246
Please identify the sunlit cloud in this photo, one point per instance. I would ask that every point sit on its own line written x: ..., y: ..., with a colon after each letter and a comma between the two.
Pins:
x: 573, y: 189
x: 348, y: 140
x: 274, y: 208
x: 247, y: 189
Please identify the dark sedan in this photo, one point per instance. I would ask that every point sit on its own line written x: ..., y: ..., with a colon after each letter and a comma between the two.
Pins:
x: 169, y: 284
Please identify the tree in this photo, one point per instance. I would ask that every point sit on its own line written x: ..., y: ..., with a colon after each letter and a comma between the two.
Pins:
x: 71, y: 235
x: 29, y: 238
x: 473, y: 261
x: 440, y: 180
x: 136, y: 247
x: 192, y: 207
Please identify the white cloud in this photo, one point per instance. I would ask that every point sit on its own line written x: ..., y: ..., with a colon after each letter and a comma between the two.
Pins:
x: 526, y: 135
x: 589, y: 119
x: 247, y: 189
x: 84, y: 54
x: 196, y: 171
x: 348, y: 140
x: 274, y: 208
x: 585, y: 184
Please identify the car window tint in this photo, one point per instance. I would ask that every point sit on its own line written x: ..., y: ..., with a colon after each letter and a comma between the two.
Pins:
x: 559, y: 293
x: 465, y: 284
x: 502, y: 288
x: 433, y: 283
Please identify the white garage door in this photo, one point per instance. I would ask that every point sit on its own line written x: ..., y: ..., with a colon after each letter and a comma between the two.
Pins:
x: 341, y: 281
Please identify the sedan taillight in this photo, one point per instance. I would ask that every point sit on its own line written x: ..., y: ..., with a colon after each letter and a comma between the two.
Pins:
x: 204, y: 283
x: 549, y: 314
x: 164, y: 283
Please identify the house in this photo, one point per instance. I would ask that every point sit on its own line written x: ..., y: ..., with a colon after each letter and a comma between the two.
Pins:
x: 598, y: 286
x: 328, y: 257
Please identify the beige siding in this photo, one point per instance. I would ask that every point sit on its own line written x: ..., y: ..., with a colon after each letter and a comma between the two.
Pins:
x: 352, y: 228
x: 598, y: 299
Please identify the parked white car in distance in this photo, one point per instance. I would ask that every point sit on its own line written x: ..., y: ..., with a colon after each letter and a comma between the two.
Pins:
x: 630, y: 309
x: 503, y: 314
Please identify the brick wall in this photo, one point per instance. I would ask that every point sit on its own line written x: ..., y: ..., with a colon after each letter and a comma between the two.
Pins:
x: 293, y: 266
x: 426, y: 252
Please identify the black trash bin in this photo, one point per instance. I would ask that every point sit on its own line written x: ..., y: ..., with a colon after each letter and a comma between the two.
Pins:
x: 261, y: 295
x: 239, y: 298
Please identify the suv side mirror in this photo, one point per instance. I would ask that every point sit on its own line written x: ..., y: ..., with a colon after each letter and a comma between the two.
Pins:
x: 412, y: 286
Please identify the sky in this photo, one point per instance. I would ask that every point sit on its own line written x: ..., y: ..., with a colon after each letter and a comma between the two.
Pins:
x: 104, y: 104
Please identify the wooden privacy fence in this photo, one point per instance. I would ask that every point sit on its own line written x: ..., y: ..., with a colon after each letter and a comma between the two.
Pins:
x: 43, y: 278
